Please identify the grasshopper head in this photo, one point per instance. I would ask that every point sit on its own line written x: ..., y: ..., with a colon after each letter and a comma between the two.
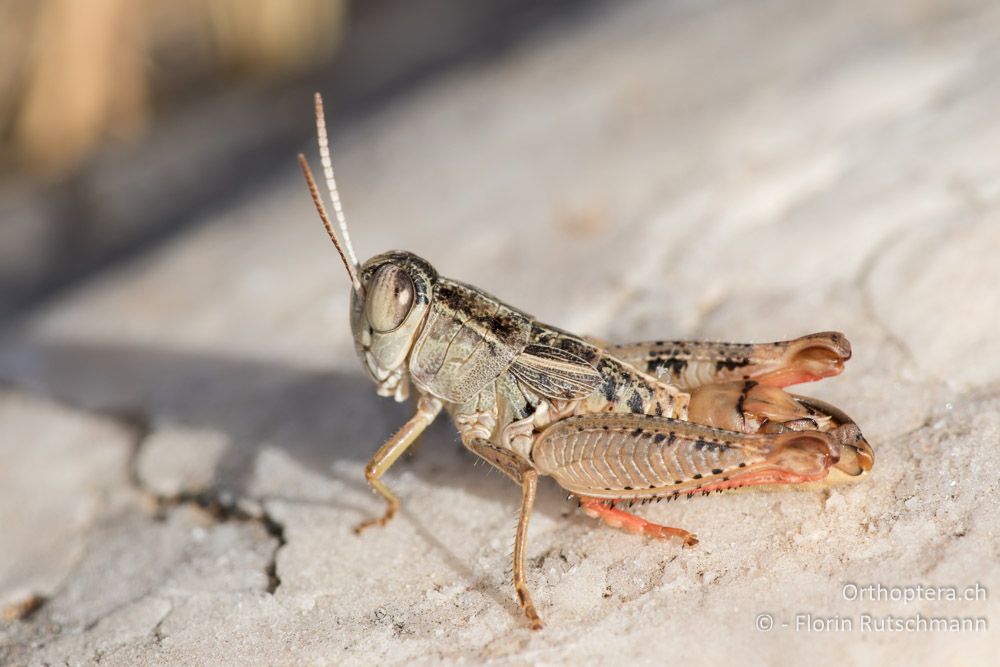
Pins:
x: 388, y: 313
x: 391, y: 292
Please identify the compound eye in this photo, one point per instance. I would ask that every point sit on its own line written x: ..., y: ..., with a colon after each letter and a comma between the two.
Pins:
x: 390, y: 298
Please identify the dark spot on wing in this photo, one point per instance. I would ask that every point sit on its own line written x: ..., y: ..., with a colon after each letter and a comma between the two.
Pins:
x: 610, y: 390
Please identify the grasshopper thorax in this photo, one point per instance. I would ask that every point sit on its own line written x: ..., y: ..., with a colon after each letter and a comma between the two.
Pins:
x: 388, y: 313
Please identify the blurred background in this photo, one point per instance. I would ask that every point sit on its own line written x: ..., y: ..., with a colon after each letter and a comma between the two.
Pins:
x: 184, y: 424
x: 120, y: 120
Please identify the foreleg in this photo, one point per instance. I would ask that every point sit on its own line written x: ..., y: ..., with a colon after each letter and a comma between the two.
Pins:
x: 427, y: 409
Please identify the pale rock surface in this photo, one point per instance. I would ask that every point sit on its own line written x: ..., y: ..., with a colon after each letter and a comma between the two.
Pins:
x: 62, y: 471
x: 731, y: 170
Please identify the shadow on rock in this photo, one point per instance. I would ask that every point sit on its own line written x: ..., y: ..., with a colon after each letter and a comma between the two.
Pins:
x: 317, y: 417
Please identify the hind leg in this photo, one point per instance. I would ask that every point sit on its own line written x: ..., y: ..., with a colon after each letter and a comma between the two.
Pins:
x: 749, y: 407
x: 616, y: 518
x: 691, y: 364
x: 616, y: 457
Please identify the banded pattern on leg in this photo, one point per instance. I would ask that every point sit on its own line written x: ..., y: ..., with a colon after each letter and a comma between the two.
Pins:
x: 639, y: 456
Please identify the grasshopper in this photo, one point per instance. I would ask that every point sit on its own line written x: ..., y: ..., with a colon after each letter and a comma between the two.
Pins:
x: 612, y: 424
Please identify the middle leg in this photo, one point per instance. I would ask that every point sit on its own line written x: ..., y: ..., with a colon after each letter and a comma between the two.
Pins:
x: 528, y: 486
x: 519, y: 471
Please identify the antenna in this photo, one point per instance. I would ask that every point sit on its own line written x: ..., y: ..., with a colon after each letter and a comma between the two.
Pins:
x: 331, y: 182
x: 314, y: 191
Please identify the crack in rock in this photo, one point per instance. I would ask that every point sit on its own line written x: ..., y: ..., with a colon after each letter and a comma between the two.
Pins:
x: 862, y: 283
x: 220, y: 506
x: 157, y: 631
